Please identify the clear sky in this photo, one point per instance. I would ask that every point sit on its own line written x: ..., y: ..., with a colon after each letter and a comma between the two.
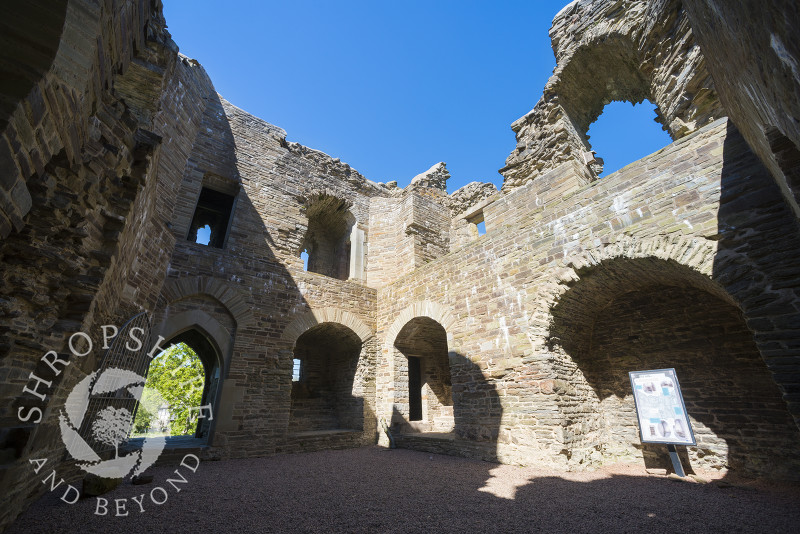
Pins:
x: 394, y: 87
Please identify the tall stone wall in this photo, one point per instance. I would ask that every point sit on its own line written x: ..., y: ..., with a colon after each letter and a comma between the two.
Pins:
x: 85, y: 150
x: 680, y: 216
x: 409, y: 229
x: 257, y: 276
x: 687, y: 258
x: 752, y: 52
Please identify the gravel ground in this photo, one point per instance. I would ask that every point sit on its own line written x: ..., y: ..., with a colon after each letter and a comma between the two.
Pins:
x: 378, y: 490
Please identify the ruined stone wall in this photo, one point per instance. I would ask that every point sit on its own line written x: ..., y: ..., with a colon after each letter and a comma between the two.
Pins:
x: 466, y: 211
x: 257, y: 274
x: 752, y: 52
x: 107, y: 147
x: 411, y: 228
x: 685, y: 206
x: 627, y: 50
x: 390, y: 249
x: 91, y: 246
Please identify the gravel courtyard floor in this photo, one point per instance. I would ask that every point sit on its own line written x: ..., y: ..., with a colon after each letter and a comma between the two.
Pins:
x: 379, y: 490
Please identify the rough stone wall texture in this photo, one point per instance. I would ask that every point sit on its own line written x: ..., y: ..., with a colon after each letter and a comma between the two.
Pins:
x: 730, y: 393
x: 688, y: 257
x: 409, y: 229
x: 84, y: 147
x: 260, y: 264
x: 752, y: 52
x: 526, y: 399
x: 626, y: 50
x: 390, y: 249
x: 466, y: 211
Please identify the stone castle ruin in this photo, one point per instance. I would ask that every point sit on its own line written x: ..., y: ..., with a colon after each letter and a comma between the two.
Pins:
x: 513, y: 346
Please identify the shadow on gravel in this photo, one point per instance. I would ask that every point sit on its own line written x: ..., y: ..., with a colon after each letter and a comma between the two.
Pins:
x: 380, y: 490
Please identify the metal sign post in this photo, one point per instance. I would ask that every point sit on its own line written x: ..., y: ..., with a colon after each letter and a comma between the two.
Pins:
x: 661, y: 412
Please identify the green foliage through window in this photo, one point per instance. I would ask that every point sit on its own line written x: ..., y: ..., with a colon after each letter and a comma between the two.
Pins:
x: 174, y: 386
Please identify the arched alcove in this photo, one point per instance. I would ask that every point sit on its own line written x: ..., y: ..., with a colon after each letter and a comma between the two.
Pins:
x: 638, y: 314
x: 324, y: 396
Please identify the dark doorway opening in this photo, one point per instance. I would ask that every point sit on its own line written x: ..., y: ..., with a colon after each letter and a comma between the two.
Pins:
x: 414, y: 389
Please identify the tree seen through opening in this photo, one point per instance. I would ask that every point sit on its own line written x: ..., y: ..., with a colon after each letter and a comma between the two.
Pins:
x: 172, y: 393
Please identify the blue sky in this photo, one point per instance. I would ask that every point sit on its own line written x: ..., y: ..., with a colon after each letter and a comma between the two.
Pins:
x: 394, y: 87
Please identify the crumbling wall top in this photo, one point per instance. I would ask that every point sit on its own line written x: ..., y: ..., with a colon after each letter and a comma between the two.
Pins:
x: 623, y: 50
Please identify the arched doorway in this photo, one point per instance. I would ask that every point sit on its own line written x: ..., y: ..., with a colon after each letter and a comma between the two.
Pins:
x: 423, y: 380
x: 181, y: 392
x: 639, y: 314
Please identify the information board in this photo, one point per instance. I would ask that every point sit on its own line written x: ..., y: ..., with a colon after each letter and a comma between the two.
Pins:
x: 660, y: 408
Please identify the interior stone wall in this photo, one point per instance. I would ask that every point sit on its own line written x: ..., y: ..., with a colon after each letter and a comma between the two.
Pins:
x: 323, y: 397
x: 622, y: 317
x: 105, y: 155
x: 752, y: 52
x: 682, y: 206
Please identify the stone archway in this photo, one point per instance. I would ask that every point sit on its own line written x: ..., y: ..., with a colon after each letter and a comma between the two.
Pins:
x: 626, y: 314
x: 325, y: 392
x: 231, y: 297
x: 331, y: 372
x: 422, y: 378
x: 213, y: 345
x: 424, y: 332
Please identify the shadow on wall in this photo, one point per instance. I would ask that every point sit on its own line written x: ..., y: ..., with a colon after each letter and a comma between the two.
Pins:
x: 322, y: 396
x: 217, y: 291
x: 477, y: 413
x: 758, y: 264
x: 22, y: 65
x: 729, y: 337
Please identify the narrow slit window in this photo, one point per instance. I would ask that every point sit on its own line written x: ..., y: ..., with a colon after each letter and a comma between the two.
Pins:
x: 295, y: 370
x: 211, y: 218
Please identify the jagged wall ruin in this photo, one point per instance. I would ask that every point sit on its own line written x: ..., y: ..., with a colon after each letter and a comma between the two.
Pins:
x: 625, y: 50
x: 113, y: 137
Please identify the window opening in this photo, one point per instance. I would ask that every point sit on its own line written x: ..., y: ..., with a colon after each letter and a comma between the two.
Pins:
x: 624, y: 133
x: 295, y: 370
x: 414, y: 389
x: 203, y: 235
x: 477, y: 225
x: 327, y: 241
x: 214, y: 212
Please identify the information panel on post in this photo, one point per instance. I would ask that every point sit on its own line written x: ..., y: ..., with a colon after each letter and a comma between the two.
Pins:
x: 660, y: 408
